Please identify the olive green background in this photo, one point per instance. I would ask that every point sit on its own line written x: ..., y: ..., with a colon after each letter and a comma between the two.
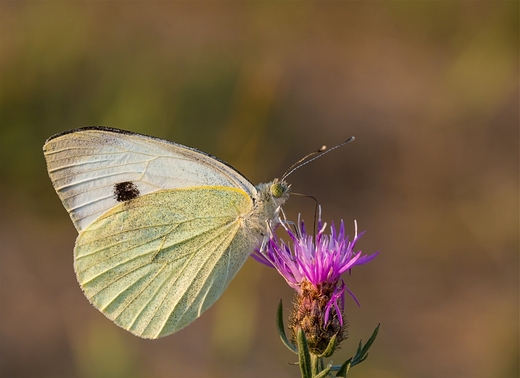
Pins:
x: 429, y: 89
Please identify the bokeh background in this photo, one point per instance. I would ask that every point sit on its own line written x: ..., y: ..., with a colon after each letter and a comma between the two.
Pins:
x: 429, y: 89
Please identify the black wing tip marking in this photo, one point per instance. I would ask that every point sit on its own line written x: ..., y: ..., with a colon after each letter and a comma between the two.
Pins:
x: 125, y: 191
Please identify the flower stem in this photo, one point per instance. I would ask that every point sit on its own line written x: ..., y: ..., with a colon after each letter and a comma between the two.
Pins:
x: 316, y: 363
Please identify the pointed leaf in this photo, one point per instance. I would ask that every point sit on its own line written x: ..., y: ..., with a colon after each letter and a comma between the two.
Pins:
x: 360, y: 347
x: 371, y: 340
x: 330, y: 348
x: 362, y: 359
x: 304, y: 355
x: 362, y: 353
x: 335, y: 367
x: 343, y: 370
x: 324, y: 373
x: 281, y: 329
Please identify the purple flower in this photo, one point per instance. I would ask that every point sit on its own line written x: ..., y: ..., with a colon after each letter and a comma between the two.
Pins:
x: 313, y: 267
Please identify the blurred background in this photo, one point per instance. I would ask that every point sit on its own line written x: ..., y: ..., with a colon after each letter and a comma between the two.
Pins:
x: 429, y: 89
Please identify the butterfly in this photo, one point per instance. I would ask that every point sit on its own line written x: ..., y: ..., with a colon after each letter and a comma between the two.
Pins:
x: 163, y: 228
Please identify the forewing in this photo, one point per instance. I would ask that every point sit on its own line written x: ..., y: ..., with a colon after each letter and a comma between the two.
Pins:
x: 86, y: 165
x: 154, y: 264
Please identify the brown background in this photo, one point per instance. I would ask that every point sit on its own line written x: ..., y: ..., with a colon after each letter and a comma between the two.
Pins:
x: 429, y: 89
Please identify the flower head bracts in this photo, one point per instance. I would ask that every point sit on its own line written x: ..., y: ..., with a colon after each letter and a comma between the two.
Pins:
x: 313, y: 267
x: 319, y: 259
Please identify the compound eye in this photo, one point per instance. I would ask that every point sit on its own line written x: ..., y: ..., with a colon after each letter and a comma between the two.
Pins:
x: 277, y: 190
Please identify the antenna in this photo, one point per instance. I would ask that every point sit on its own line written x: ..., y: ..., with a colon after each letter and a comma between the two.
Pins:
x: 303, y: 161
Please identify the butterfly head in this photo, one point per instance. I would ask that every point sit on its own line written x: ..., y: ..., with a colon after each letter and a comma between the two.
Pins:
x: 279, y: 189
x: 267, y: 205
x: 275, y: 193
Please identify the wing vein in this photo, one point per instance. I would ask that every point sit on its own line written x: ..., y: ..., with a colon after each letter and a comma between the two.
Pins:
x: 183, y: 268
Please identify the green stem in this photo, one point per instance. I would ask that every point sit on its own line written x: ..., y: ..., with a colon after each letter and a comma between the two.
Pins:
x: 316, y: 364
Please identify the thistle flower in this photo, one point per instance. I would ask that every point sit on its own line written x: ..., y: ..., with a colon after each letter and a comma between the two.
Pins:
x: 313, y: 265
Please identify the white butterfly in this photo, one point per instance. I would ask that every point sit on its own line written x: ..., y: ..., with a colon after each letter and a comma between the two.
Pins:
x: 163, y: 228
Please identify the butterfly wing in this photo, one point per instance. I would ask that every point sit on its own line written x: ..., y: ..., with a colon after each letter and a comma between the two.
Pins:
x: 87, y: 165
x: 154, y: 264
x: 163, y: 228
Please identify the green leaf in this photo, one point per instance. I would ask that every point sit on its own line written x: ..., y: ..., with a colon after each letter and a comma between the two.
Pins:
x: 362, y: 359
x: 343, y: 370
x: 362, y: 352
x: 360, y: 347
x: 330, y: 348
x: 325, y: 372
x: 304, y: 355
x: 281, y: 329
x: 371, y: 340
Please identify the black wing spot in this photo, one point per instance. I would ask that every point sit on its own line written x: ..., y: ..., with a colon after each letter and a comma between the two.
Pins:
x: 125, y: 191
